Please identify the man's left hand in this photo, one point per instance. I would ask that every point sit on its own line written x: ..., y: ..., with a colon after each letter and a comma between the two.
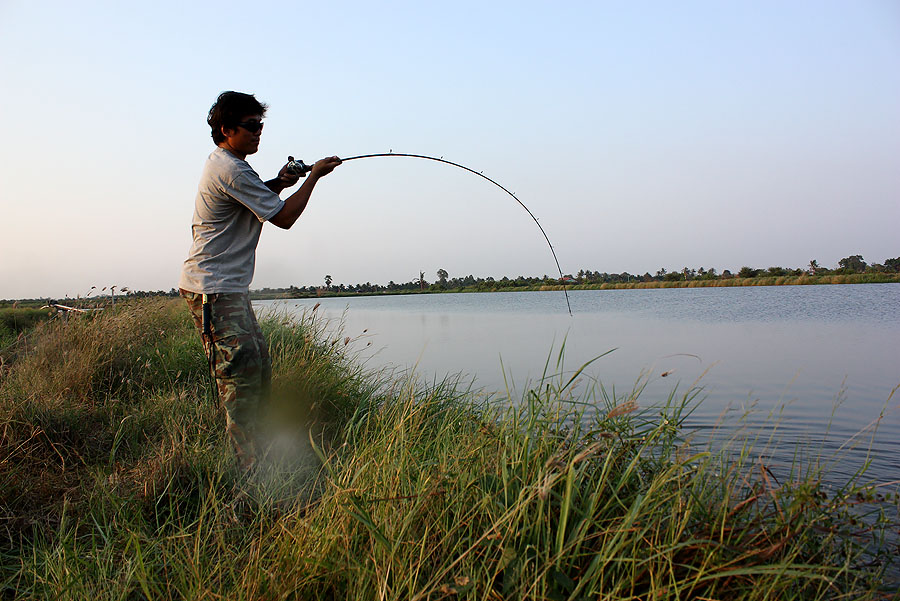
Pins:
x: 287, y: 178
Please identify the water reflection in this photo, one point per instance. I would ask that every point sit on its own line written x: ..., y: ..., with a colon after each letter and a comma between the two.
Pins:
x: 823, y: 359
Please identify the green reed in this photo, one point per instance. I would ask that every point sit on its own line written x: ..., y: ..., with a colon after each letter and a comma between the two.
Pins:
x: 116, y: 483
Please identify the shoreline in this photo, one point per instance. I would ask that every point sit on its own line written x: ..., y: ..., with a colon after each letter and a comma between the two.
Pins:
x: 497, y: 286
x: 803, y: 280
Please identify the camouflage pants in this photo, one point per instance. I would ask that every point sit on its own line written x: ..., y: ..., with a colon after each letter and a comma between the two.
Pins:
x: 239, y: 359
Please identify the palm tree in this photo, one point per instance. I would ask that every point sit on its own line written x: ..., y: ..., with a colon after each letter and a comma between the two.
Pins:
x: 328, y: 281
x: 813, y: 267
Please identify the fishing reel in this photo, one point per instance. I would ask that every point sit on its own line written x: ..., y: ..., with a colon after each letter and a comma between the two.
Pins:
x: 298, y: 167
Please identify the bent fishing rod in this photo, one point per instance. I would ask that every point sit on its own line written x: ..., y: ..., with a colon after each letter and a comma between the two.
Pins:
x: 298, y: 167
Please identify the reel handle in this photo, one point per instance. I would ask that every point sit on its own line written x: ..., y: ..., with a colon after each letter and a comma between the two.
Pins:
x: 298, y: 167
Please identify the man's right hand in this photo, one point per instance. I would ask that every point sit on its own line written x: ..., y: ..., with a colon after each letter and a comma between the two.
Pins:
x: 323, y: 167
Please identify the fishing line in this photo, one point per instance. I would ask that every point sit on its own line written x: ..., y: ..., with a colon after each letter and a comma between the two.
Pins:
x: 302, y: 167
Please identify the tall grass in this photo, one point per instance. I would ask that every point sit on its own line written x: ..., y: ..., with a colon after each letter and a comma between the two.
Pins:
x: 117, y: 484
x: 15, y: 321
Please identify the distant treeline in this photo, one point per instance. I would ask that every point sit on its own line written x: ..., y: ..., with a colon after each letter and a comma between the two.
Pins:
x: 850, y: 270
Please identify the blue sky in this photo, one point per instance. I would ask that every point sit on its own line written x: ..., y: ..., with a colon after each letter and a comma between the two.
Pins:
x: 643, y: 135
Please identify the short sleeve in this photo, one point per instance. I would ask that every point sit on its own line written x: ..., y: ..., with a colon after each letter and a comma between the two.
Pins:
x: 249, y: 190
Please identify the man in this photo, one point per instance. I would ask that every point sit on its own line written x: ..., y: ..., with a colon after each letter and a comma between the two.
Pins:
x: 231, y: 206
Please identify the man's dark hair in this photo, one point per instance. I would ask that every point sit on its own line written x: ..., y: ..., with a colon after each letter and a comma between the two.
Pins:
x: 229, y: 109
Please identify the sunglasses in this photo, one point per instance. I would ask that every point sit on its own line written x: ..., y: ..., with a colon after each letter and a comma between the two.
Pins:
x: 251, y: 126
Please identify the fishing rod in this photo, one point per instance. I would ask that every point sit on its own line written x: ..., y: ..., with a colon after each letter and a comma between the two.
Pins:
x: 301, y: 168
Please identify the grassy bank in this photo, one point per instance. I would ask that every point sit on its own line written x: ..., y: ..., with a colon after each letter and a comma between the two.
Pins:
x: 115, y: 483
x: 787, y: 280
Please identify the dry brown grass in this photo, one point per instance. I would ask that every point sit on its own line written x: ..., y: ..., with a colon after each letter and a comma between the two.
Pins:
x: 84, y: 389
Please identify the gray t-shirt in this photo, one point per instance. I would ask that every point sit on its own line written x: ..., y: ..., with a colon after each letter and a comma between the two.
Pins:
x: 232, y: 204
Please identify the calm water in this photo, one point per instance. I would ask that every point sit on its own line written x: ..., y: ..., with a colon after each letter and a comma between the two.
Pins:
x: 811, y: 355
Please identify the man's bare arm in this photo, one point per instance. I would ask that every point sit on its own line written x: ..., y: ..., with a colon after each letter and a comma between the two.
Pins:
x: 277, y: 185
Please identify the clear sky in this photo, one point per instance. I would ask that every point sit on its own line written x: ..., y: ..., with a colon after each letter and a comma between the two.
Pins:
x: 643, y: 135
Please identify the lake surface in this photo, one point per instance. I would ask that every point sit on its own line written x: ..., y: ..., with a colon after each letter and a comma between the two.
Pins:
x: 810, y: 364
